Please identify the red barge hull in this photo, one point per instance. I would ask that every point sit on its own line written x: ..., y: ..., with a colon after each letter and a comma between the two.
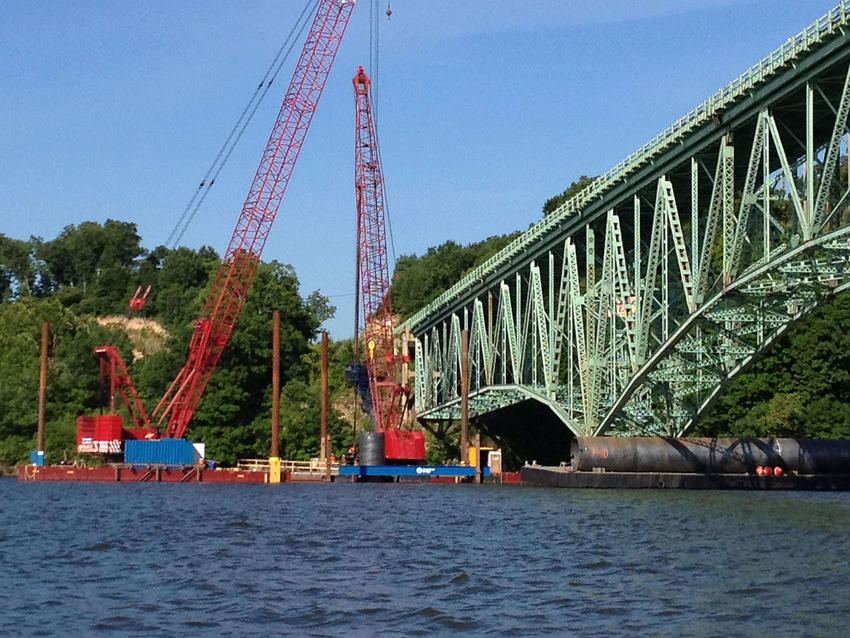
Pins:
x: 119, y: 474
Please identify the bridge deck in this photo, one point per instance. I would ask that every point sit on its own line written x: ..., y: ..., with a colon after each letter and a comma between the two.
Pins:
x: 826, y: 28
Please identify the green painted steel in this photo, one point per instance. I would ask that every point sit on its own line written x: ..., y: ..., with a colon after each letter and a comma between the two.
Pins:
x: 626, y: 309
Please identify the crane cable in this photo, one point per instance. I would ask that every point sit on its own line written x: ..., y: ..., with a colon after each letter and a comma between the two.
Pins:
x: 374, y: 45
x: 374, y: 97
x: 238, y: 129
x: 373, y: 53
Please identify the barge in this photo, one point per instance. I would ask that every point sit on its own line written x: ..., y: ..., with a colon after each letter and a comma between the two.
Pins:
x: 699, y: 463
x: 550, y: 476
x: 156, y: 474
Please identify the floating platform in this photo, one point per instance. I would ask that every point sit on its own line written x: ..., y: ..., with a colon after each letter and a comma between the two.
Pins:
x: 160, y: 474
x: 546, y: 476
x: 129, y: 474
x: 424, y: 472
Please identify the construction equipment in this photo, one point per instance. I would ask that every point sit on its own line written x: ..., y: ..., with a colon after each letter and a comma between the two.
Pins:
x: 382, y: 362
x: 137, y: 301
x: 212, y: 329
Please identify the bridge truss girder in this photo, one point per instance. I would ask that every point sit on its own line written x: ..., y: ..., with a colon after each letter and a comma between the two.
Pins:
x: 630, y: 315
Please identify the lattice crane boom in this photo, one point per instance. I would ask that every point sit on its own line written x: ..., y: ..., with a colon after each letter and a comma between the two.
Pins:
x: 387, y: 394
x: 236, y: 271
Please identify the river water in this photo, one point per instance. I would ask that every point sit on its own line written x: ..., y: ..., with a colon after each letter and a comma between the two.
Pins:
x: 403, y: 559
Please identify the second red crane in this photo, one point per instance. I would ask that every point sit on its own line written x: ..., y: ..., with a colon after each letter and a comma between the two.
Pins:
x: 388, y: 392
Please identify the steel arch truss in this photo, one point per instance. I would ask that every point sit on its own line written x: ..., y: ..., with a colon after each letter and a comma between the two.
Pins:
x: 629, y: 316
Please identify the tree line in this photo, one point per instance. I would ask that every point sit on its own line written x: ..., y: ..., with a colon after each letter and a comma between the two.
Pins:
x: 801, y: 387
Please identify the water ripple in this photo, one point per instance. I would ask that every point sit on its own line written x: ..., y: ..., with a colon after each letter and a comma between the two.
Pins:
x: 163, y: 560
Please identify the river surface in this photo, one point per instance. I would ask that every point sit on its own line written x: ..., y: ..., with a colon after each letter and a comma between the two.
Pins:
x: 416, y: 560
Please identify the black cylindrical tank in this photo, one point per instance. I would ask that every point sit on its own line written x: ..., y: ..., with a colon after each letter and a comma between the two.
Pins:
x: 710, y: 455
x: 372, y: 448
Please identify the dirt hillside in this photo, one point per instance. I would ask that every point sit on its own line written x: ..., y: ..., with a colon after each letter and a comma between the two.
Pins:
x: 146, y: 335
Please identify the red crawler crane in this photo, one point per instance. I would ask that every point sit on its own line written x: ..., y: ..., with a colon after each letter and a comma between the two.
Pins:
x: 387, y: 394
x: 237, y: 268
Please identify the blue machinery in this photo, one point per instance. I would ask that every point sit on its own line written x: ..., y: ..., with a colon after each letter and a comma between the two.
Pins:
x: 626, y: 309
x: 419, y: 471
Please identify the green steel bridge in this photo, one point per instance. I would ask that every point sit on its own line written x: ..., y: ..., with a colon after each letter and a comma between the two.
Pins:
x: 627, y: 310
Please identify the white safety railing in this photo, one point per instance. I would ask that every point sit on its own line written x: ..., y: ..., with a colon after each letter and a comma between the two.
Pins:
x: 312, y: 468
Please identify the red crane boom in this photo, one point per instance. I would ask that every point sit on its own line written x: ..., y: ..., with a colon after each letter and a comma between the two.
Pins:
x: 388, y: 395
x: 112, y: 367
x: 374, y: 269
x: 236, y: 271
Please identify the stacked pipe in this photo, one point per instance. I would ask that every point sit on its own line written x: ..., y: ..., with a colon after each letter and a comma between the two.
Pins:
x: 710, y: 455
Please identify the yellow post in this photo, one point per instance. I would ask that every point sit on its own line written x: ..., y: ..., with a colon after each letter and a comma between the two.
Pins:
x: 42, y: 386
x: 274, y: 469
x: 478, y: 458
x: 274, y: 452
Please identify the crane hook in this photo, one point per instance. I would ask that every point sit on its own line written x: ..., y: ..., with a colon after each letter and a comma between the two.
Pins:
x: 389, y: 10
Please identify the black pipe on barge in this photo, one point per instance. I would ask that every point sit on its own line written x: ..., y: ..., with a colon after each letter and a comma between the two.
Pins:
x: 710, y: 455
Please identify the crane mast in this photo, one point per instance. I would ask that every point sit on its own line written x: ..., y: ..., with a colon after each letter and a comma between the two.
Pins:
x: 374, y: 269
x: 236, y: 270
x: 388, y: 395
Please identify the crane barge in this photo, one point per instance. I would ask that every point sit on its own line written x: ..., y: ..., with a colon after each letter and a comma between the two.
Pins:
x: 174, y: 411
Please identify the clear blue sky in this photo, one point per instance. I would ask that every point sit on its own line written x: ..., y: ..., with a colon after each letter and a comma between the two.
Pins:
x: 115, y: 109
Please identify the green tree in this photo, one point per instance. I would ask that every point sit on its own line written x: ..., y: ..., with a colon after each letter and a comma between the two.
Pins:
x: 572, y: 190
x: 300, y: 417
x: 91, y: 265
x: 419, y: 280
x: 179, y: 281
x: 17, y: 269
x: 72, y: 375
x: 75, y: 257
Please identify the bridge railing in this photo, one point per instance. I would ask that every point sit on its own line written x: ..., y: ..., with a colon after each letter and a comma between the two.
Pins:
x: 820, y: 30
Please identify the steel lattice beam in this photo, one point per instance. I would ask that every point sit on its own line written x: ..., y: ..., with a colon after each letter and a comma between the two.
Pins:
x: 670, y: 273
